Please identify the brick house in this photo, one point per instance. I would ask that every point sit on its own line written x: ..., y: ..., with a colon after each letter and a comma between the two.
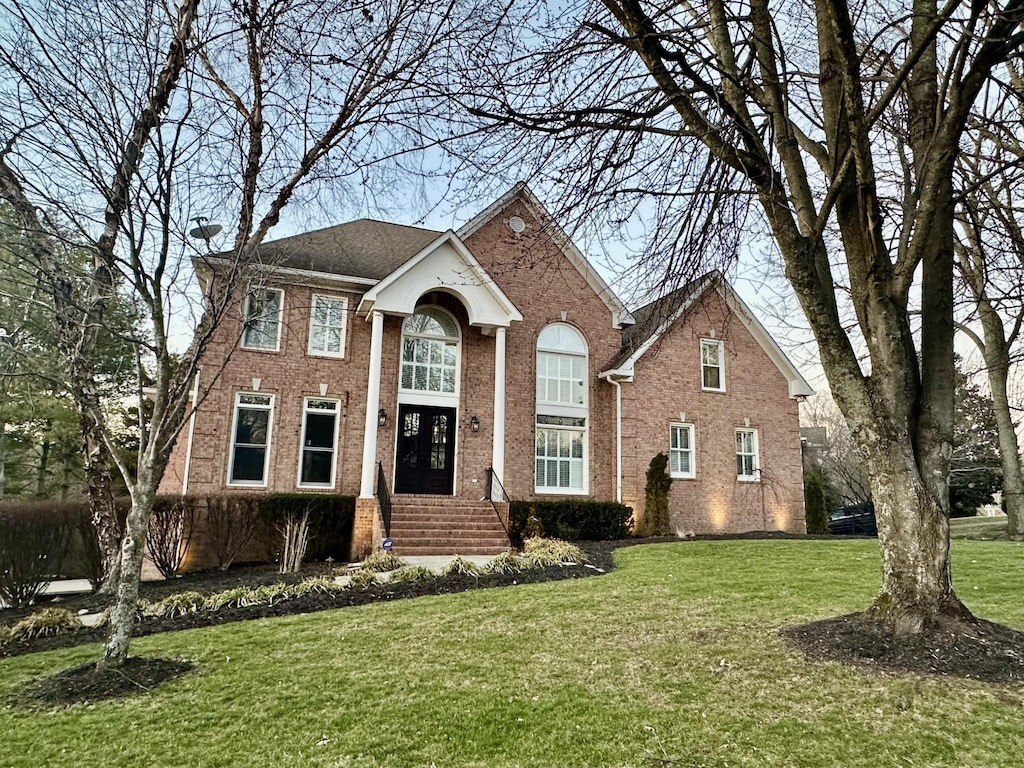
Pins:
x: 393, y: 362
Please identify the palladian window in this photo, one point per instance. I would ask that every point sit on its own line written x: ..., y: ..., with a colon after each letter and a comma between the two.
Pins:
x: 430, y: 352
x: 561, y: 429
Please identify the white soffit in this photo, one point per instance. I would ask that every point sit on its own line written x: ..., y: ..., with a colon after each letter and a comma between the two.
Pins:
x: 445, y: 265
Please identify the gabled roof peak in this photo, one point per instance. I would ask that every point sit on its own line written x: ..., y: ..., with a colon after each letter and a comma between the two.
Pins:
x: 656, y: 318
x: 522, y: 191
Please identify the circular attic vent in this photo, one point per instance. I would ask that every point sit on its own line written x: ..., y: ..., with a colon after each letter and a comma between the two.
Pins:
x: 517, y: 225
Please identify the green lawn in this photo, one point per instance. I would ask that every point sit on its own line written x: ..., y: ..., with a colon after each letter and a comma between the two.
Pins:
x: 671, y: 660
x: 981, y: 528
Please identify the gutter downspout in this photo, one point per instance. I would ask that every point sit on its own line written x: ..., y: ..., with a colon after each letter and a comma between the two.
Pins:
x: 618, y: 439
x: 609, y: 376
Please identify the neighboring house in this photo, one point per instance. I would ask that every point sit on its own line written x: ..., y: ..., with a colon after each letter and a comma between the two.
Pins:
x: 380, y: 360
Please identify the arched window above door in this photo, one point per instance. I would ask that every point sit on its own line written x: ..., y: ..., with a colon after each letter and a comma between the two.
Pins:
x: 430, y: 352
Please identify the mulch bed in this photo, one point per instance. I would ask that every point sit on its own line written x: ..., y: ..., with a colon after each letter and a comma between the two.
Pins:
x: 211, y: 582
x: 992, y: 653
x: 86, y: 684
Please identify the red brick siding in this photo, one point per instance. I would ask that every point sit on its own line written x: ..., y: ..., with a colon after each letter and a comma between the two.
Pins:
x: 667, y: 382
x: 542, y: 283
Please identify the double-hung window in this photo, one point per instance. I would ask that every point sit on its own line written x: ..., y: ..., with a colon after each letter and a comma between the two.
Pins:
x: 561, y: 428
x: 250, y: 439
x: 747, y: 464
x: 712, y: 365
x: 681, y: 451
x: 327, y: 326
x: 319, y: 443
x: 263, y: 319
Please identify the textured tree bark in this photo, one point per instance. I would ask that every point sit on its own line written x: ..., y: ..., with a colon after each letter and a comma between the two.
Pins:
x: 133, y: 548
x: 913, y: 530
x: 1009, y: 449
x: 99, y: 483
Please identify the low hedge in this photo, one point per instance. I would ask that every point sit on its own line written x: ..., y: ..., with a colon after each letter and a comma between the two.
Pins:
x: 571, y: 519
x: 332, y: 520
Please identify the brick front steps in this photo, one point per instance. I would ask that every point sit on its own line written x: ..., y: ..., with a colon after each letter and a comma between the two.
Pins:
x: 442, y: 525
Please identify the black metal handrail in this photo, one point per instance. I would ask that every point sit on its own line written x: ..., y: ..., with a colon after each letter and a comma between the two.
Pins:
x: 492, y: 478
x: 384, y: 499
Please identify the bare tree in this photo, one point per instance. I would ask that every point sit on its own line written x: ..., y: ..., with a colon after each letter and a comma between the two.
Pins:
x: 990, y: 261
x: 690, y: 116
x: 151, y: 114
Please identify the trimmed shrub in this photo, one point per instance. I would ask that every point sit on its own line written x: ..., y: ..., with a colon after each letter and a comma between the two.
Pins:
x: 507, y: 562
x: 33, y: 545
x: 656, y: 521
x: 49, y: 621
x: 570, y: 519
x: 814, y: 505
x: 381, y: 561
x: 232, y: 521
x: 542, y: 552
x: 412, y: 573
x: 461, y: 567
x: 170, y: 531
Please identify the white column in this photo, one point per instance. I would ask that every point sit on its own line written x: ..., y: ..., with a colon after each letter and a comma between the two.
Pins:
x: 498, y: 448
x: 372, y: 405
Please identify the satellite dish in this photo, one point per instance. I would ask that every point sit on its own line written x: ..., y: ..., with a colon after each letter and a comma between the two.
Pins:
x: 204, y: 230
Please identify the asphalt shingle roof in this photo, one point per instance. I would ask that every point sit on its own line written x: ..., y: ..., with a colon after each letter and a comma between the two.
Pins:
x: 362, y: 248
x: 650, y: 317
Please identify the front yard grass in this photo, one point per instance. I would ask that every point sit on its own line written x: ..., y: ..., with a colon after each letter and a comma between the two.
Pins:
x: 671, y: 660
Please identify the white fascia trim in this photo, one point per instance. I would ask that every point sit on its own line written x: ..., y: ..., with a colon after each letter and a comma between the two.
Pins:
x: 306, y: 277
x: 625, y: 370
x: 452, y: 238
x: 798, y: 386
x: 620, y: 315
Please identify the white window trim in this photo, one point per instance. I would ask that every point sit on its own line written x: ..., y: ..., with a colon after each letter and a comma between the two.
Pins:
x: 756, y: 476
x: 344, y: 326
x: 551, y: 490
x: 721, y: 364
x: 571, y: 410
x: 426, y: 397
x: 280, y: 322
x: 334, y: 441
x: 270, y: 436
x: 692, y: 450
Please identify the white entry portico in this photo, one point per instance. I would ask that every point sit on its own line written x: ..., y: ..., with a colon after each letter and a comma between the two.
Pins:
x: 443, y: 266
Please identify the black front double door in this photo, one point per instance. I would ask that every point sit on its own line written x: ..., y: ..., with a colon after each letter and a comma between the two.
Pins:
x: 426, y: 450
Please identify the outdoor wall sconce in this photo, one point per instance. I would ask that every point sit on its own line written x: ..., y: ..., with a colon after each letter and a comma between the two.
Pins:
x: 474, y: 423
x: 382, y: 418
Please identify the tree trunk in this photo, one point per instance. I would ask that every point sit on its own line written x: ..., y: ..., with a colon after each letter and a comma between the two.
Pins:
x: 44, y: 458
x: 1009, y: 450
x: 67, y: 457
x: 3, y: 457
x: 913, y: 531
x: 101, y: 498
x: 133, y: 548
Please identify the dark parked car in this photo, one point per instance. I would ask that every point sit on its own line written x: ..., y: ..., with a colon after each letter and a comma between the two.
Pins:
x: 854, y: 520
